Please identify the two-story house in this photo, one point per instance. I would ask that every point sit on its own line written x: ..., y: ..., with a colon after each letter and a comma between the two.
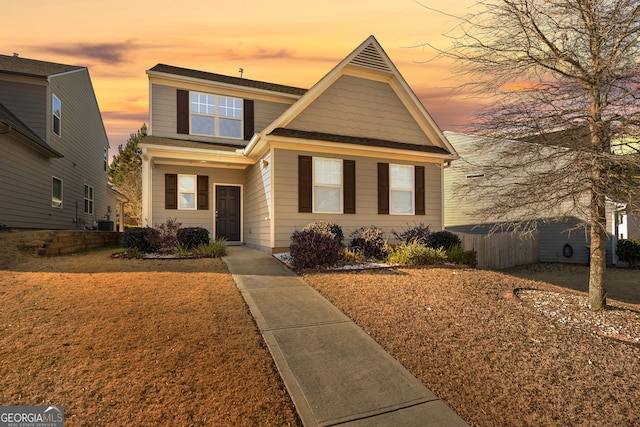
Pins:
x: 253, y: 161
x: 53, y: 166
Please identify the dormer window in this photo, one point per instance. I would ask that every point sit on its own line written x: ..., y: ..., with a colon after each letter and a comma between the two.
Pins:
x: 214, y: 115
x: 56, y: 109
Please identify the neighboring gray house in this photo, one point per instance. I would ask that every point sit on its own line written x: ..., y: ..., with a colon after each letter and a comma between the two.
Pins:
x: 253, y: 161
x: 54, y: 148
x: 561, y: 239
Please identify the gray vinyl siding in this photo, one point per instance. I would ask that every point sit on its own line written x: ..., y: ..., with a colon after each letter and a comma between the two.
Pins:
x: 28, y: 102
x: 257, y: 213
x: 190, y: 218
x: 27, y: 175
x: 360, y: 107
x: 164, y: 108
x: 287, y: 219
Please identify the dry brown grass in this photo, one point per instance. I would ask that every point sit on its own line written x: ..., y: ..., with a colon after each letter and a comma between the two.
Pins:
x: 132, y: 342
x: 495, y: 360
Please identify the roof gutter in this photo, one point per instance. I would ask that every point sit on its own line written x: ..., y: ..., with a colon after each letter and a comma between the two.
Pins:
x: 252, y: 144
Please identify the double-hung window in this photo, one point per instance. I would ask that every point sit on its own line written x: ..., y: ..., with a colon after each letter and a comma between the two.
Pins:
x: 186, y: 192
x: 327, y: 185
x: 214, y: 115
x: 56, y: 192
x: 56, y: 109
x: 88, y: 199
x: 401, y: 182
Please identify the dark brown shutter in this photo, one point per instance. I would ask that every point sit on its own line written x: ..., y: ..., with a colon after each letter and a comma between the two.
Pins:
x: 203, y: 192
x: 420, y: 190
x: 383, y: 188
x: 182, y: 118
x: 171, y: 191
x: 349, y: 183
x: 248, y: 119
x: 305, y: 184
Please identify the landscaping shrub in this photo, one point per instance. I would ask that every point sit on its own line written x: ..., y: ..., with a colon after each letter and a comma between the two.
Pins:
x: 143, y: 239
x: 190, y: 237
x: 311, y: 248
x: 419, y: 233
x: 628, y: 250
x: 457, y: 255
x: 166, y: 239
x: 216, y: 249
x: 415, y: 253
x: 370, y: 242
x: 326, y: 226
x: 444, y: 239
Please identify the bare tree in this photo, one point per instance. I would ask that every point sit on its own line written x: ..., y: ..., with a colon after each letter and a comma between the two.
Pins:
x: 563, y: 79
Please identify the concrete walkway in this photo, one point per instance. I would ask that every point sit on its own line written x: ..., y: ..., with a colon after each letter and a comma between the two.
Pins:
x: 335, y: 373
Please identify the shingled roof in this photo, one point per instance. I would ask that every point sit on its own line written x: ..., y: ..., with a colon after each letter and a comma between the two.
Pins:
x: 33, y: 68
x: 203, y: 75
x: 10, y: 120
x: 319, y: 136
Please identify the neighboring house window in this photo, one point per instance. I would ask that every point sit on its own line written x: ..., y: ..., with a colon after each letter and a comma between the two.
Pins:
x: 188, y: 192
x: 56, y: 108
x: 214, y: 115
x: 401, y: 189
x: 88, y: 199
x: 326, y: 185
x: 56, y: 192
x: 105, y: 159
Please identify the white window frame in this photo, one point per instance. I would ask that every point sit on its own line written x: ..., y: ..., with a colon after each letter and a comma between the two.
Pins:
x: 88, y: 199
x: 194, y: 192
x: 217, y: 115
x: 55, y: 201
x: 326, y: 185
x: 394, y: 186
x: 55, y: 116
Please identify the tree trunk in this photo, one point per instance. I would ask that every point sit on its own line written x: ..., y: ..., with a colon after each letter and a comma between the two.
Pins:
x: 598, y: 255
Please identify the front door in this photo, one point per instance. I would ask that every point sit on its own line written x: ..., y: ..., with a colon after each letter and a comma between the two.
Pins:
x: 228, y: 213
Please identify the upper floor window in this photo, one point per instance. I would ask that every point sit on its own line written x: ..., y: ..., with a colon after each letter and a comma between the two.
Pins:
x: 88, y: 199
x: 327, y: 185
x: 214, y: 115
x: 56, y: 109
x: 105, y: 159
x: 56, y: 192
x: 401, y: 184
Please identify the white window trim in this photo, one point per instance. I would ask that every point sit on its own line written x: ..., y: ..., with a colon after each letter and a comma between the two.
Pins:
x: 86, y: 199
x: 53, y: 115
x: 314, y: 185
x: 54, y: 202
x: 195, y: 192
x: 412, y: 189
x: 217, y: 116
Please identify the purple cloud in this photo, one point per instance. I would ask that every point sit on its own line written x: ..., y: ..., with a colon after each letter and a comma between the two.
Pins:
x: 108, y: 53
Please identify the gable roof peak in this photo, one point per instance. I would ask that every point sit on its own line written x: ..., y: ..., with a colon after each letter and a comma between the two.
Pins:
x: 371, y: 55
x: 14, y: 64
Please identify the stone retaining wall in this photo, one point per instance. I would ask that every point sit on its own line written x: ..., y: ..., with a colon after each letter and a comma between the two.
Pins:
x: 68, y: 242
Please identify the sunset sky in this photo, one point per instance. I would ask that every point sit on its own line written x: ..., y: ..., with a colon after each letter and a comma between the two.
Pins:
x: 291, y: 42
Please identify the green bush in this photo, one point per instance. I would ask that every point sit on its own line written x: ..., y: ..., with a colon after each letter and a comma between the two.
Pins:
x: 444, y: 239
x: 415, y: 253
x: 190, y: 237
x: 370, y: 242
x: 216, y: 249
x: 628, y: 250
x: 143, y: 239
x: 419, y: 233
x: 311, y: 248
x: 326, y: 226
x: 457, y: 255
